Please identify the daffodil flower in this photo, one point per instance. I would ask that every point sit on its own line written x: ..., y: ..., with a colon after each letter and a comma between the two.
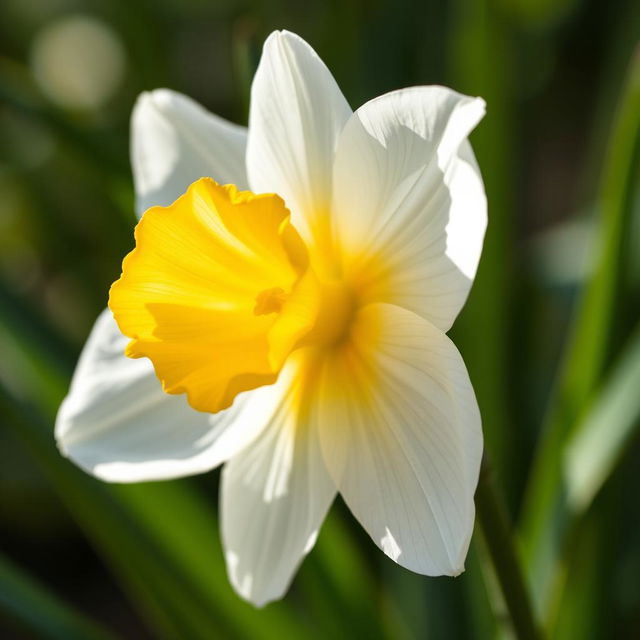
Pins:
x: 298, y: 329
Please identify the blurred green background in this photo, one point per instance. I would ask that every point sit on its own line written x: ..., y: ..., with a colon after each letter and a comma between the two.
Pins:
x: 551, y: 332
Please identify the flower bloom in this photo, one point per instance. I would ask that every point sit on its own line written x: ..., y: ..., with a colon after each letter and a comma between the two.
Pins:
x: 307, y: 328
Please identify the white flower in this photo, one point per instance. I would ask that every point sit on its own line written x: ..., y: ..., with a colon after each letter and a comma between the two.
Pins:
x: 373, y: 400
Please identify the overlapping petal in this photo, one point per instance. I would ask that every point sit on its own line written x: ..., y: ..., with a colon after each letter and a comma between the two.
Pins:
x: 175, y: 141
x: 401, y: 436
x: 409, y: 204
x: 297, y: 113
x: 118, y: 424
x: 116, y: 421
x: 275, y: 494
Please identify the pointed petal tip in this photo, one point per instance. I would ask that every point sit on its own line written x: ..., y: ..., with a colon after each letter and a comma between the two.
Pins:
x: 144, y: 100
x: 481, y: 104
x: 451, y: 567
x: 283, y: 34
x: 163, y: 96
x: 479, y: 101
x: 59, y: 438
x: 155, y: 99
x: 271, y: 39
x: 471, y: 112
x: 452, y: 570
x: 245, y: 587
x: 259, y: 601
x: 296, y: 44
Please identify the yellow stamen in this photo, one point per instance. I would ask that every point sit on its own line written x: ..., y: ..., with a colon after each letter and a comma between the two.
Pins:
x: 335, y: 314
x: 269, y: 301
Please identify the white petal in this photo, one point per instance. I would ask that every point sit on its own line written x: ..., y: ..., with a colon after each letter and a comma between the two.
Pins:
x: 402, y: 438
x: 409, y: 202
x: 274, y: 496
x: 297, y: 113
x: 118, y: 424
x: 175, y: 141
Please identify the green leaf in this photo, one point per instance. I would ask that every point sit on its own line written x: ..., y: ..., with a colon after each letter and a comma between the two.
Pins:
x: 579, y: 610
x: 596, y: 328
x: 588, y: 569
x: 39, y: 611
x: 594, y: 448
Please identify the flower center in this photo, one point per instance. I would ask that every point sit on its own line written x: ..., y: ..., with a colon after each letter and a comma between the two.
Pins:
x: 336, y: 307
x: 269, y: 301
x: 187, y: 294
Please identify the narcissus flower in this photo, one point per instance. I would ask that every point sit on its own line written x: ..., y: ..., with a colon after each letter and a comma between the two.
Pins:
x: 298, y: 329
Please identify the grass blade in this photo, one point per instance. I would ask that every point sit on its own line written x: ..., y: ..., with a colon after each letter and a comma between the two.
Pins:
x: 596, y: 326
x: 597, y: 444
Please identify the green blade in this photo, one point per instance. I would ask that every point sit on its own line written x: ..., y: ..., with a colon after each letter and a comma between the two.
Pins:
x: 545, y: 513
x: 594, y: 448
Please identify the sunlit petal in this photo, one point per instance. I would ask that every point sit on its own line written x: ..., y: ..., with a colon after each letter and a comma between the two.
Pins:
x: 118, y: 424
x: 175, y: 141
x: 297, y: 113
x: 400, y: 431
x: 274, y: 497
x: 409, y: 203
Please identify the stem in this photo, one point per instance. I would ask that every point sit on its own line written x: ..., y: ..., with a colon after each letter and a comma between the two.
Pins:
x: 498, y: 535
